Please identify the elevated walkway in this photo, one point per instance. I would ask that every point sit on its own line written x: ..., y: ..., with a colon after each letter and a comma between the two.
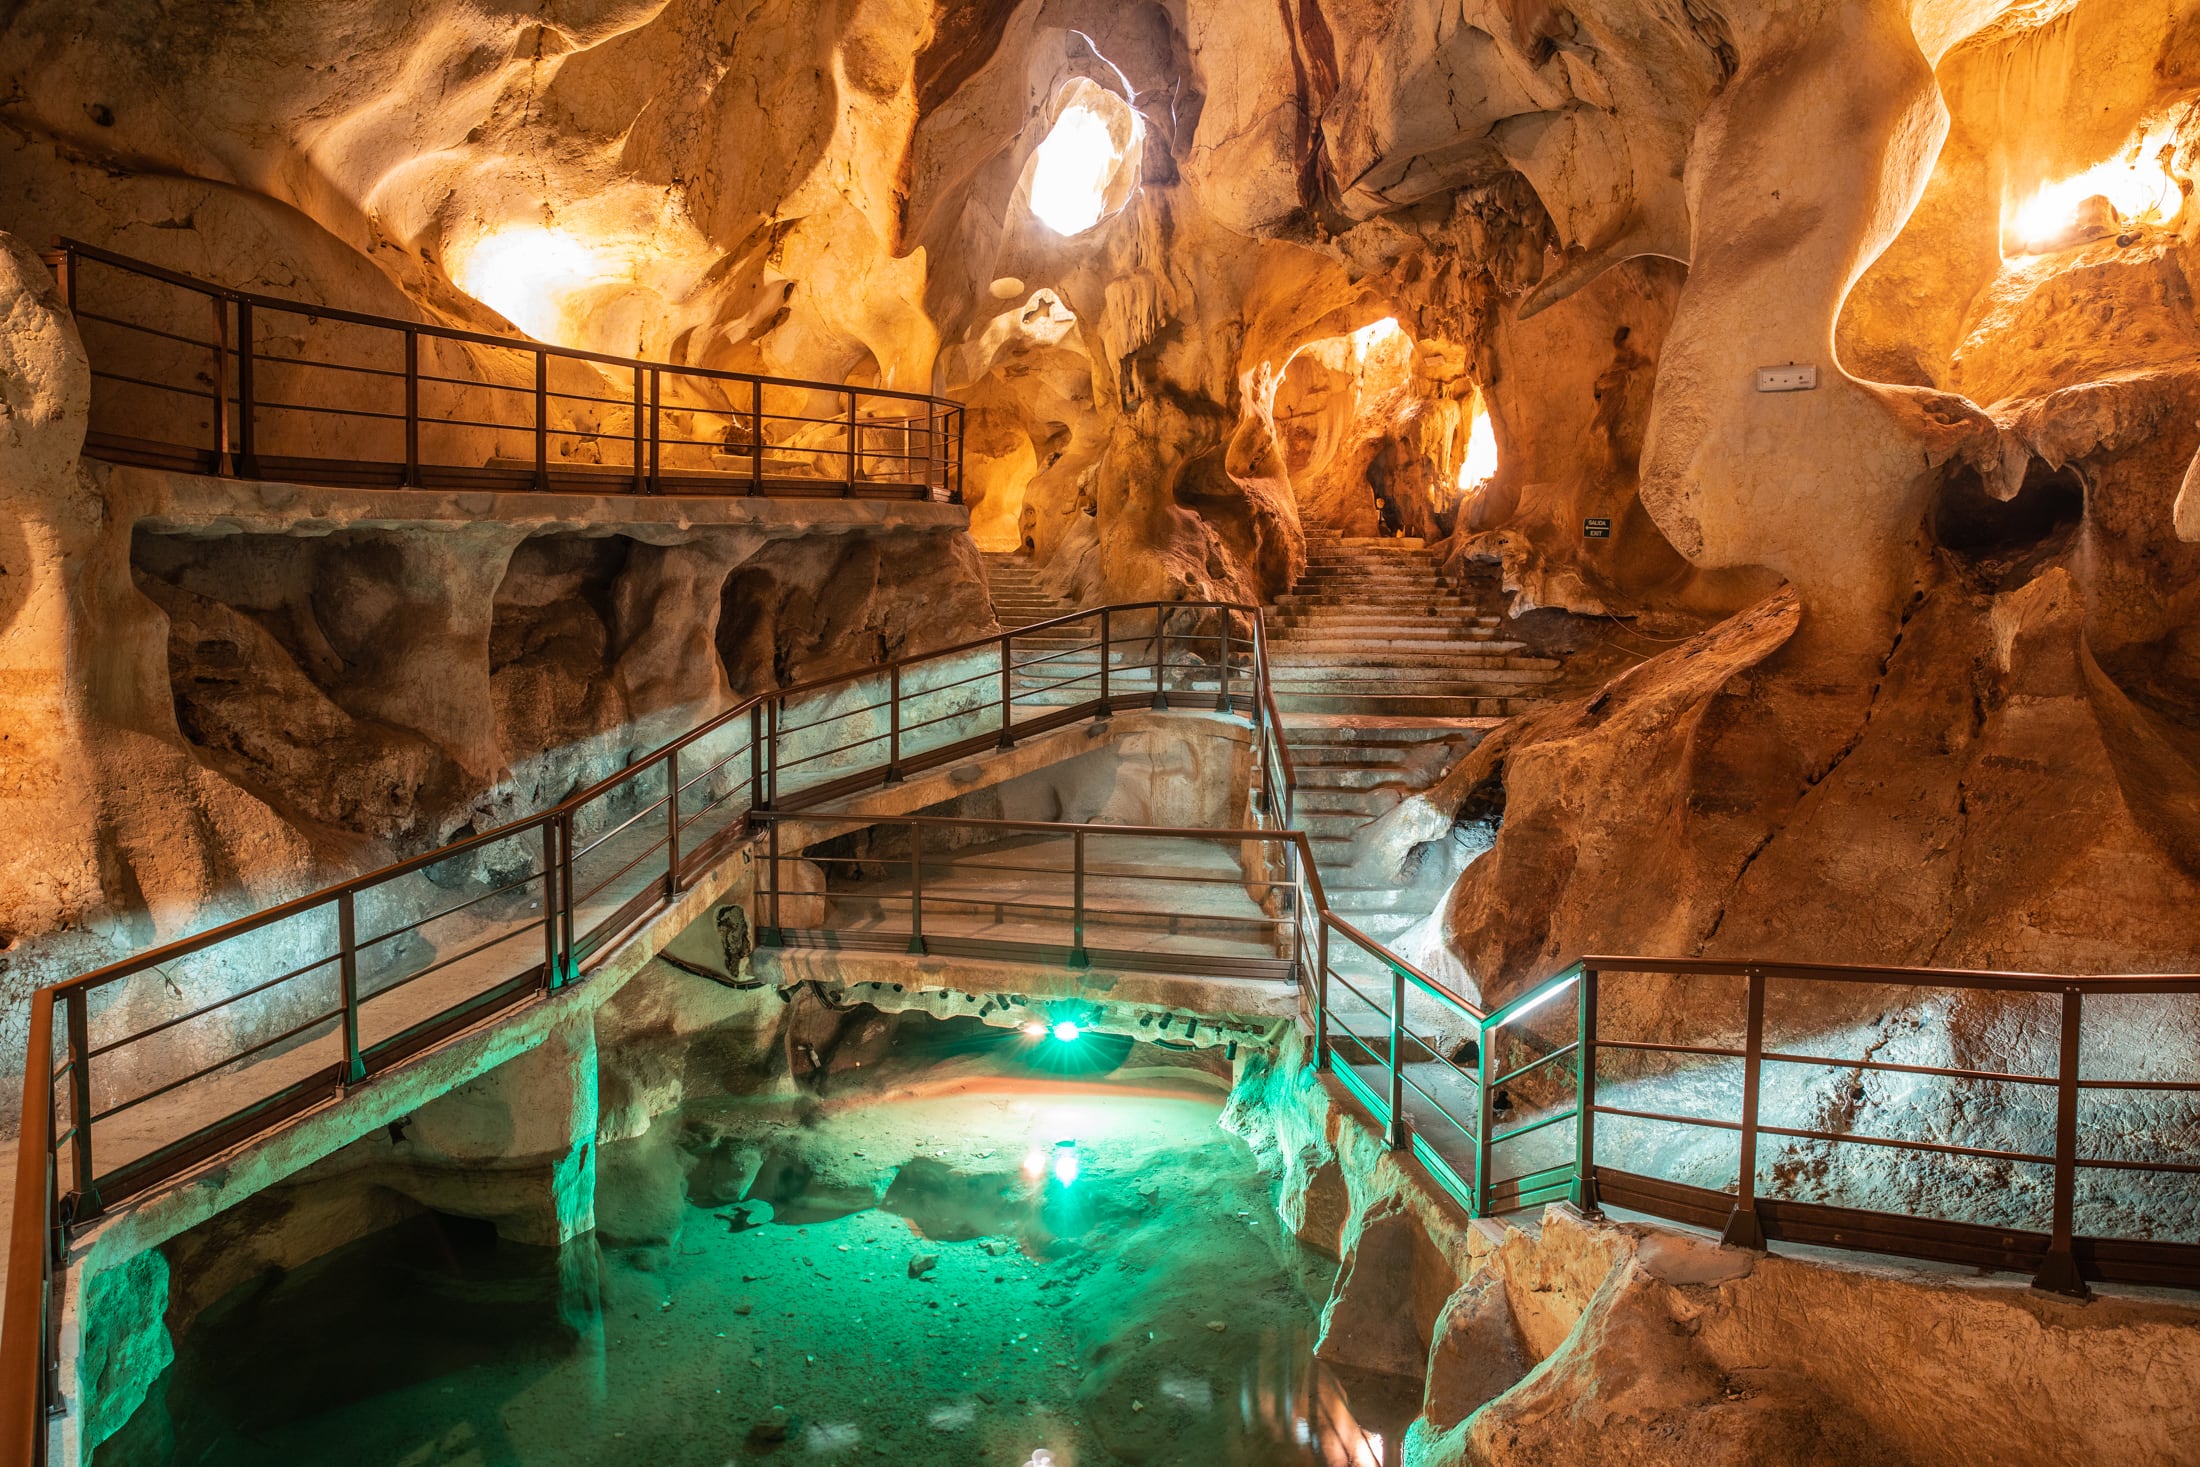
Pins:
x: 196, y: 377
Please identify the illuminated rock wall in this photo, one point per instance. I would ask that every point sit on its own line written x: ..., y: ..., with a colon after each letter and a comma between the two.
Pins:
x: 1599, y: 221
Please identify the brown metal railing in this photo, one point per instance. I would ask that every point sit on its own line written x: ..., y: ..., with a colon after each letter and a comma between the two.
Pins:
x: 1074, y: 896
x: 282, y: 1010
x: 200, y: 378
x: 1501, y: 1106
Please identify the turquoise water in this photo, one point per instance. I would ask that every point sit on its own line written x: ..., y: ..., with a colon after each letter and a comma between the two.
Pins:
x: 980, y: 1266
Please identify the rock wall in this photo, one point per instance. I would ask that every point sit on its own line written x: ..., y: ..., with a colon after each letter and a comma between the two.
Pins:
x: 1592, y: 1340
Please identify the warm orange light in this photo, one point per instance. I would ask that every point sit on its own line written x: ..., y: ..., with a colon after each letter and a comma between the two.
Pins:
x: 1479, y: 464
x: 2134, y: 181
x: 1069, y: 182
x: 530, y: 274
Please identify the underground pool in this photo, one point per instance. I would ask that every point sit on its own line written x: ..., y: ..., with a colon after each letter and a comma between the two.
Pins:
x: 996, y: 1248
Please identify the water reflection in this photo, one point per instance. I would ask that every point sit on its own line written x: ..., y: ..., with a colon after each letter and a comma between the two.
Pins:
x: 1079, y: 1274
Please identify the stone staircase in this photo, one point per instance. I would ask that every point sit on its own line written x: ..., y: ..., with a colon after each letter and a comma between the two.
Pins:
x: 1352, y: 772
x: 1387, y: 673
x: 1374, y: 628
x: 1018, y: 598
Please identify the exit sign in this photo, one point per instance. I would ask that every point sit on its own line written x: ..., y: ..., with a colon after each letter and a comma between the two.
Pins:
x: 1596, y: 529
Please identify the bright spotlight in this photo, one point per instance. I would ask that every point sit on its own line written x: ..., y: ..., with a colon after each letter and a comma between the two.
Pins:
x: 1066, y: 1165
x: 526, y: 275
x: 2134, y: 182
x: 1036, y: 1029
x: 1066, y: 1032
x: 1069, y: 181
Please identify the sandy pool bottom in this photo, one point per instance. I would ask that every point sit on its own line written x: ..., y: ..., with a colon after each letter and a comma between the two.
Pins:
x: 987, y: 1269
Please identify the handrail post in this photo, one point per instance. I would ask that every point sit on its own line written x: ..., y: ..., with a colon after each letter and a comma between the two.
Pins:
x: 569, y: 954
x: 550, y: 964
x: 1160, y: 641
x: 933, y: 458
x: 1078, y: 957
x: 1485, y: 1128
x: 1008, y: 697
x: 768, y: 934
x: 247, y: 456
x: 848, y: 490
x: 26, y: 1388
x: 672, y: 824
x: 542, y: 418
x: 1743, y: 1228
x: 1321, y: 993
x: 347, y: 968
x: 1585, y: 1095
x: 1103, y: 711
x: 773, y: 710
x: 641, y: 464
x: 412, y: 409
x: 916, y: 888
x: 656, y: 431
x: 1395, y: 1137
x: 756, y: 435
x: 84, y: 1200
x: 1222, y: 693
x: 2059, y: 1268
x: 893, y: 724
x: 757, y: 798
x: 224, y: 459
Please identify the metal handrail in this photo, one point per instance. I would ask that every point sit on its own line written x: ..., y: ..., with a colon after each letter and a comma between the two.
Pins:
x: 44, y: 1215
x: 937, y: 423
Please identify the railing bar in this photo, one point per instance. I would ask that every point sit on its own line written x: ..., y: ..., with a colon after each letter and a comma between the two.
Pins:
x: 269, y: 405
x: 1646, y: 1045
x: 2185, y: 1168
x: 427, y: 421
x: 331, y: 366
x: 474, y: 381
x: 1025, y: 694
x: 1953, y: 1074
x: 420, y: 922
x: 833, y: 753
x: 1537, y: 1064
x: 1550, y: 1120
x: 528, y: 929
x: 166, y: 1024
x: 600, y: 887
x: 1651, y: 1115
x: 620, y: 829
x: 157, y: 386
x: 1372, y: 1057
x: 215, y: 1068
x: 83, y: 315
x: 1944, y: 1148
x: 2179, y: 1086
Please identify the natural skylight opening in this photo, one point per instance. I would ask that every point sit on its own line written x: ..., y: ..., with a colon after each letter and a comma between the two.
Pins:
x: 1479, y: 464
x: 1083, y: 169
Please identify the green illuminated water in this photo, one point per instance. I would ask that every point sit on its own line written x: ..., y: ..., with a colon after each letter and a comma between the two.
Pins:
x: 1108, y: 1284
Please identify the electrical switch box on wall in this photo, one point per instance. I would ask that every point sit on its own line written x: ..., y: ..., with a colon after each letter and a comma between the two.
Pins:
x: 1789, y: 378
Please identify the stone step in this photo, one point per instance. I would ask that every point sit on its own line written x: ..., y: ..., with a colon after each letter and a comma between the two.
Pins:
x: 1490, y: 669
x: 1288, y: 670
x: 1380, y: 900
x: 1404, y: 705
x: 1465, y: 650
x: 1362, y: 804
x: 1373, y: 639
